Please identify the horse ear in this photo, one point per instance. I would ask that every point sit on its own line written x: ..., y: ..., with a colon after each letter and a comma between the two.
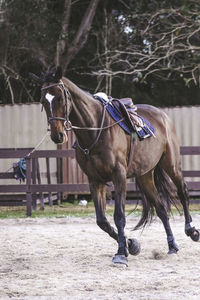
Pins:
x: 35, y: 77
x: 58, y: 73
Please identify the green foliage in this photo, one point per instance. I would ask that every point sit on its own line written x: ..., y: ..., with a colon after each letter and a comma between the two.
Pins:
x: 135, y: 48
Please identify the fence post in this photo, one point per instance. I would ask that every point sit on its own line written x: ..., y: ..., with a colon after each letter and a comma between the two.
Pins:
x: 28, y: 187
x: 49, y: 181
x: 34, y: 195
x: 39, y: 182
x: 59, y: 168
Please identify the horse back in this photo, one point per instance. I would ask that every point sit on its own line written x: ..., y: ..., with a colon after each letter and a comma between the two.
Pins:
x: 157, y: 117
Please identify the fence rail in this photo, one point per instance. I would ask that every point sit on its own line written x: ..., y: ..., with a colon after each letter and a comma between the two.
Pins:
x: 30, y: 187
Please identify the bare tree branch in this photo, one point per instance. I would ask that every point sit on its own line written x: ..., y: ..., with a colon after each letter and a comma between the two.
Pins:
x: 163, y: 44
x: 7, y: 79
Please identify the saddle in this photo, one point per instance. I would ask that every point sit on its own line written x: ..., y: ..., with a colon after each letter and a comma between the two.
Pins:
x: 118, y: 108
x: 128, y: 110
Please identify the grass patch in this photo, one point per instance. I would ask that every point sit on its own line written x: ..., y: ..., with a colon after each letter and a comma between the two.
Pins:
x: 66, y: 209
x: 75, y: 210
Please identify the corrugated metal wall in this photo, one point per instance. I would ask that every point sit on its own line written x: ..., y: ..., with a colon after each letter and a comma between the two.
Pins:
x: 25, y: 125
x: 187, y: 123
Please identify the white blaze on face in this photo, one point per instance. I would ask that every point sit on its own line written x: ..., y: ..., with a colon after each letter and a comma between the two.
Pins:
x: 50, y: 97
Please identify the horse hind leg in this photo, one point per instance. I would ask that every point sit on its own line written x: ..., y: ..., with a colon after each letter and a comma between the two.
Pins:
x: 183, y: 195
x: 147, y: 186
x: 174, y: 172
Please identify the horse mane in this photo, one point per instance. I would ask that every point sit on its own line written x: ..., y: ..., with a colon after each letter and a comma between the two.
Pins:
x: 76, y: 90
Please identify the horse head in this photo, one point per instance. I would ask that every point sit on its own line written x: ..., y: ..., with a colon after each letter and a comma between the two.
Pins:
x: 55, y: 99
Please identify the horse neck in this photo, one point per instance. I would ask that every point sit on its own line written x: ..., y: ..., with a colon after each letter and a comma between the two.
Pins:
x: 86, y: 111
x: 85, y: 108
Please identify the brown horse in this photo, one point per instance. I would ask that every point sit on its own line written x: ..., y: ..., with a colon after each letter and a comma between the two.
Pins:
x: 102, y: 151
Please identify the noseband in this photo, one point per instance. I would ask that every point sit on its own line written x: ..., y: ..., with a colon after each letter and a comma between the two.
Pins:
x: 67, y: 123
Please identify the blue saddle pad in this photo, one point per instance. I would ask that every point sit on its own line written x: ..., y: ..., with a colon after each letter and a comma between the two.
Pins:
x: 145, y: 131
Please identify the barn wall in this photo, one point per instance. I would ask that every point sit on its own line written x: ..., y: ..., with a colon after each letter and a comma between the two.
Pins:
x: 187, y: 124
x: 25, y: 125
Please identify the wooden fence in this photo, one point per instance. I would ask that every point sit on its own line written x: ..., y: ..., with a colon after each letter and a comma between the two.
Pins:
x: 33, y: 184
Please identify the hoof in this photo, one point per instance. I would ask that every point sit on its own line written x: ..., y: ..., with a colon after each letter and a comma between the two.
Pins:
x: 173, y: 248
x: 195, y: 235
x: 172, y: 251
x: 133, y: 247
x: 192, y: 232
x: 120, y: 259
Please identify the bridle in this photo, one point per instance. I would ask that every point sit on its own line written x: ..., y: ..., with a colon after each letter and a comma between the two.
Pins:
x: 67, y: 124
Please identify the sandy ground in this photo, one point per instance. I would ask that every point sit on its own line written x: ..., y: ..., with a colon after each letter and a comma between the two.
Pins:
x: 71, y: 258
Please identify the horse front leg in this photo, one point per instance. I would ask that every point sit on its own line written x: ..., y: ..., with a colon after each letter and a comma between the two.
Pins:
x: 119, y: 217
x: 98, y: 192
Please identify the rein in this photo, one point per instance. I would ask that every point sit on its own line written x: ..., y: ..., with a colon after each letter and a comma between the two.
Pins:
x: 67, y: 124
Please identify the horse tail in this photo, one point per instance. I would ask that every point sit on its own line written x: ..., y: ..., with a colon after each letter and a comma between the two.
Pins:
x: 168, y: 197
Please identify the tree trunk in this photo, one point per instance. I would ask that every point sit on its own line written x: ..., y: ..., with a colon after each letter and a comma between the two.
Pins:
x: 66, y: 51
x: 63, y: 38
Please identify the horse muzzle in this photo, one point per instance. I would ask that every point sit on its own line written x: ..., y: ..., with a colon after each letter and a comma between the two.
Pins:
x: 59, y: 138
